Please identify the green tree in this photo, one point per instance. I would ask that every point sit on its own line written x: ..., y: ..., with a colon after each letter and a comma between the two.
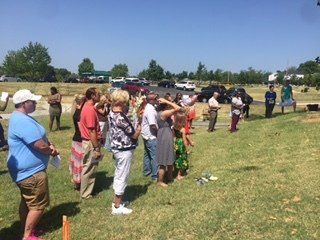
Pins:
x: 62, y: 74
x: 309, y: 67
x: 119, y: 70
x: 182, y: 75
x: 168, y: 75
x: 30, y: 62
x: 201, y: 72
x: 191, y: 75
x: 292, y: 70
x: 218, y: 76
x: 85, y: 66
x: 155, y: 72
x: 143, y: 74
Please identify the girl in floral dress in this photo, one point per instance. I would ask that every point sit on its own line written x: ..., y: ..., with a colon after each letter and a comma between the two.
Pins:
x: 181, y: 163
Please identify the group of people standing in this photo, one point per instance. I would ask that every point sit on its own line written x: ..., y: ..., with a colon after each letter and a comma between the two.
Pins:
x: 105, y: 121
x: 109, y: 121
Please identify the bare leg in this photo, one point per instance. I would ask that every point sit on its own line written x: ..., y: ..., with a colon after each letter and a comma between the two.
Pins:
x: 162, y: 171
x: 117, y: 200
x: 282, y: 110
x: 169, y: 173
x: 294, y: 106
x: 51, y: 122
x: 58, y: 122
x: 32, y: 220
x: 23, y: 213
x: 180, y: 175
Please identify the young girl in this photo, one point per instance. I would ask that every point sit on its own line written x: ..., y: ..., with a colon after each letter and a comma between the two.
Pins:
x: 181, y: 143
x: 102, y: 108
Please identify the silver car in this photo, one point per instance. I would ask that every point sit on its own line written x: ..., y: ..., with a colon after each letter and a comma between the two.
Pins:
x: 5, y: 78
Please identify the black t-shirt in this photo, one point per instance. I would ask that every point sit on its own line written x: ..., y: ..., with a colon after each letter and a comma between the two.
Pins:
x: 76, y: 120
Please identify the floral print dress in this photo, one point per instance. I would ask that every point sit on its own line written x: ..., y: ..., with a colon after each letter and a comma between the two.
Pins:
x: 181, y: 162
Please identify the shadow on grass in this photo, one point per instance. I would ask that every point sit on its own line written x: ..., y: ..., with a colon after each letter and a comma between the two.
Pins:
x: 254, y: 117
x: 2, y: 172
x: 65, y: 128
x: 246, y: 169
x: 102, y: 182
x: 51, y: 221
x: 135, y: 191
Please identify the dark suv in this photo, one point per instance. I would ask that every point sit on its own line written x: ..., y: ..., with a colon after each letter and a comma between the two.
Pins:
x: 207, y: 92
x: 167, y: 84
x: 246, y: 98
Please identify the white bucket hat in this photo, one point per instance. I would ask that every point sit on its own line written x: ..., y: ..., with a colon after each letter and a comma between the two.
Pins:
x: 24, y: 95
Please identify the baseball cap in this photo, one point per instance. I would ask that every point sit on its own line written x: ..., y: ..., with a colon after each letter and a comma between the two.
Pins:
x: 24, y: 95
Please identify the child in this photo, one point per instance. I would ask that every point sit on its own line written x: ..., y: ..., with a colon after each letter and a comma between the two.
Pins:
x: 102, y: 108
x: 181, y: 141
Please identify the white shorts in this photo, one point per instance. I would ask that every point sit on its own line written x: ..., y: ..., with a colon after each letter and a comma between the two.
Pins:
x: 287, y: 103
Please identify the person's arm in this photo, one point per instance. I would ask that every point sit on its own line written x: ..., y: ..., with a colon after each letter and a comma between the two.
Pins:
x: 3, y: 105
x: 154, y: 127
x: 101, y: 109
x: 186, y: 138
x: 95, y: 142
x: 45, y: 148
x: 137, y: 131
x: 168, y: 113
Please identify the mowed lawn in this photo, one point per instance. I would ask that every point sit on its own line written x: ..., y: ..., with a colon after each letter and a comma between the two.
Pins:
x: 267, y: 188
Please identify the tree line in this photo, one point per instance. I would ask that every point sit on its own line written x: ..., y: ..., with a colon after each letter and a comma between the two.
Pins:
x: 32, y: 63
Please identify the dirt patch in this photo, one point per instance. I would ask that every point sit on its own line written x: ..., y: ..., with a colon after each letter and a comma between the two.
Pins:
x: 312, y: 118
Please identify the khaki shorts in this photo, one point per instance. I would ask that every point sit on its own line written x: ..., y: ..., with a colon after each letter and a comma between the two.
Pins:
x: 34, y: 191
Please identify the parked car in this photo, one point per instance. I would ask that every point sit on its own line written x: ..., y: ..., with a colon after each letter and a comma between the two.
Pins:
x: 117, y: 79
x: 185, y: 85
x: 133, y: 87
x: 246, y: 98
x: 144, y: 81
x: 207, y: 92
x: 5, y: 78
x: 116, y: 86
x: 72, y: 80
x: 167, y: 83
x: 135, y: 80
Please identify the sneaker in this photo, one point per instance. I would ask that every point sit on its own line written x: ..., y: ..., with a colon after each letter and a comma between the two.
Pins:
x: 120, y: 210
x: 124, y: 203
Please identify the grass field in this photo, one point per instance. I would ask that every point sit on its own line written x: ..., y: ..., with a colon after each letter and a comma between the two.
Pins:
x: 268, y: 188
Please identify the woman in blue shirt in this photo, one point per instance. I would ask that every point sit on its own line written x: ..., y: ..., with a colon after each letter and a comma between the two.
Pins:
x: 29, y: 152
x: 270, y: 97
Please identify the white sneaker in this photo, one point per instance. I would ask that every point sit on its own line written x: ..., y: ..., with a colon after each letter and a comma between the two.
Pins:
x: 120, y: 210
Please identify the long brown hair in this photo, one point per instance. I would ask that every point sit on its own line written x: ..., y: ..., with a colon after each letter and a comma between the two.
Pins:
x: 180, y: 120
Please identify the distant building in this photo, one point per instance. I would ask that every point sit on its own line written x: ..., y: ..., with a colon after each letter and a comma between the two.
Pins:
x: 290, y: 76
x: 272, y: 77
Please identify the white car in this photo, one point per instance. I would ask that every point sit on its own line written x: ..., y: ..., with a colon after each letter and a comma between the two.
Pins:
x: 185, y: 85
x: 117, y: 79
x: 5, y: 78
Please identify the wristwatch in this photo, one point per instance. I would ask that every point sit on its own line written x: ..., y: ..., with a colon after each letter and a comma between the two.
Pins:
x: 96, y: 149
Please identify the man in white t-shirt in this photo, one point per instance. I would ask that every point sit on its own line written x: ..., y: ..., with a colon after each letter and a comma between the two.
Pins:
x: 236, y: 106
x: 213, y: 110
x: 149, y: 135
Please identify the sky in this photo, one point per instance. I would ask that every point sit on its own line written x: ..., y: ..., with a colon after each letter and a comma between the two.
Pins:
x: 232, y: 35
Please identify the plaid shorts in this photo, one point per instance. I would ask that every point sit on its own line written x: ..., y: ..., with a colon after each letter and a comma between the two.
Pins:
x: 34, y: 191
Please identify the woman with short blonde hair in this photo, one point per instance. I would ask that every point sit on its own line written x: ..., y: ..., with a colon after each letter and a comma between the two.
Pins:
x: 119, y: 97
x: 123, y: 141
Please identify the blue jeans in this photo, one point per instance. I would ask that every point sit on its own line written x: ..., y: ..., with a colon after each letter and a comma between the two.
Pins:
x: 150, y: 163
